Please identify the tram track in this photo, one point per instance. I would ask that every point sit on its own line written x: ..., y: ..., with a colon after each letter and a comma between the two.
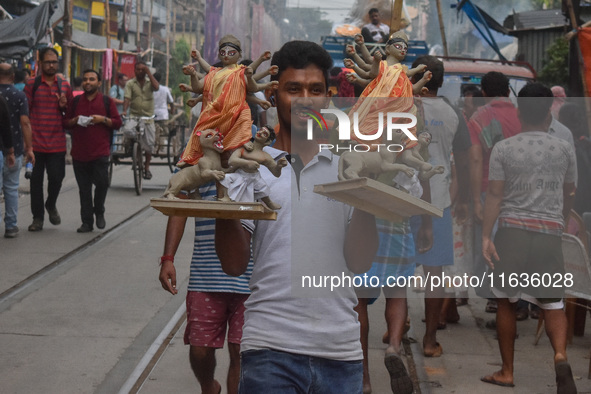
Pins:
x: 45, y: 275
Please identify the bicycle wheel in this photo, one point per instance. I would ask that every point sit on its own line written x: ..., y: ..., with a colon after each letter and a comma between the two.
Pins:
x: 171, y: 148
x: 137, y: 167
x: 176, y: 143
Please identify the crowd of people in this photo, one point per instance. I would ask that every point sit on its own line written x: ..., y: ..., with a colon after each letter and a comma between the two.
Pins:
x: 40, y: 110
x: 245, y: 274
x: 282, y: 342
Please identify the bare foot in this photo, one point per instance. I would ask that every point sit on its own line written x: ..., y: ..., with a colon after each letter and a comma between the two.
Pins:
x: 432, y: 350
x: 499, y: 378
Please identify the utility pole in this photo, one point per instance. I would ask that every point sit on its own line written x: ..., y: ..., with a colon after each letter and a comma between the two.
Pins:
x: 150, y: 22
x: 167, y: 41
x: 67, y: 49
x: 108, y: 29
x: 138, y: 6
x: 442, y: 28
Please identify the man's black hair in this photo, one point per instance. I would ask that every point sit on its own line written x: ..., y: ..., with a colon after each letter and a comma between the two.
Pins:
x: 19, y: 76
x: 473, y: 90
x: 45, y: 50
x: 531, y: 111
x: 137, y: 63
x: 299, y: 55
x: 372, y: 10
x: 246, y: 62
x: 77, y: 81
x: 89, y: 70
x: 435, y: 66
x: 157, y: 76
x: 495, y: 84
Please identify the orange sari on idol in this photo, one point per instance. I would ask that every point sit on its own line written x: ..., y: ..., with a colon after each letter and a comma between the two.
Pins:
x: 393, y: 83
x: 224, y: 109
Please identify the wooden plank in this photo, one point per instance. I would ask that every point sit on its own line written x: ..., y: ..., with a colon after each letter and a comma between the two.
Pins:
x: 213, y: 209
x: 376, y: 198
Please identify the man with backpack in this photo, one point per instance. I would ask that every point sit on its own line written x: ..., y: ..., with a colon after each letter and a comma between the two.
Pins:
x: 48, y: 96
x: 92, y: 117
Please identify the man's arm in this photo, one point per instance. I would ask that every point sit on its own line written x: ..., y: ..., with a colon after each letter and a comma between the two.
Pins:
x: 424, y: 241
x: 174, y: 233
x: 126, y: 103
x: 492, y: 207
x: 475, y: 167
x: 232, y: 245
x: 361, y: 242
x: 568, y: 192
x: 153, y: 81
x: 27, y: 138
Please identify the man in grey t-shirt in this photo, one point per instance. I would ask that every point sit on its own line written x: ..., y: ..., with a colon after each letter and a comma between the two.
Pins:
x: 530, y: 190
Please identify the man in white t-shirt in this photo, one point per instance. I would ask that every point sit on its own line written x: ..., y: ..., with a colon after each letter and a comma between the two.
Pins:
x: 375, y: 31
x: 290, y: 342
x: 162, y: 98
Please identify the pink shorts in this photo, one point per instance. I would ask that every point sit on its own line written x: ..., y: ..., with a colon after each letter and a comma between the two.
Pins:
x: 207, y: 317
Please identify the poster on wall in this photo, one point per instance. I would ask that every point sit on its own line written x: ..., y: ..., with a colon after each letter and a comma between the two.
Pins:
x: 128, y: 65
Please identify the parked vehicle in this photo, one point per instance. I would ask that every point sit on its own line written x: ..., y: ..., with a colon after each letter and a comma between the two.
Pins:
x: 463, y: 72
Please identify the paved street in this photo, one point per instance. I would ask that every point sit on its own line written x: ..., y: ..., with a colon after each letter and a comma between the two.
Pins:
x: 85, y: 313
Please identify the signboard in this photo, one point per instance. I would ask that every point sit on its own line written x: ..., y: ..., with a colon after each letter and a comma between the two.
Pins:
x: 81, y: 15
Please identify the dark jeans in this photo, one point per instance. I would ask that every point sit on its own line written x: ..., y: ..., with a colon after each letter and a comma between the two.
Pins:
x: 55, y: 163
x: 90, y: 173
x: 271, y: 371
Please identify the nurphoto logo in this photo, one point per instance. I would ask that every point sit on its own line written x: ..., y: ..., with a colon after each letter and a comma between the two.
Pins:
x: 394, y: 130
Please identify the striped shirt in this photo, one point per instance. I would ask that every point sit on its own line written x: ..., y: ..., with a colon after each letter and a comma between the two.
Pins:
x: 46, y: 116
x: 206, y: 270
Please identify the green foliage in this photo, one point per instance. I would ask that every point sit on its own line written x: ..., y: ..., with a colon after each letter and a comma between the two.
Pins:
x: 180, y: 56
x: 555, y: 69
x: 546, y: 4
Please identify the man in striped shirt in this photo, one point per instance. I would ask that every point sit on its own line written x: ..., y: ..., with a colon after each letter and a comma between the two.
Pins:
x: 215, y: 300
x: 48, y: 96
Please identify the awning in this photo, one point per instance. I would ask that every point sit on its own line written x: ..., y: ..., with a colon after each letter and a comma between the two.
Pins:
x: 18, y: 36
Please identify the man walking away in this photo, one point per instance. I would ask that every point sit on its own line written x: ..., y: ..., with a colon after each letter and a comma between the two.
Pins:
x: 21, y: 137
x: 531, y: 191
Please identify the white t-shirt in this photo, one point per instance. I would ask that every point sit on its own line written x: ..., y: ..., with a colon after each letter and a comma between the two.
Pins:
x: 306, y: 239
x: 162, y: 97
x: 442, y: 122
x: 375, y: 31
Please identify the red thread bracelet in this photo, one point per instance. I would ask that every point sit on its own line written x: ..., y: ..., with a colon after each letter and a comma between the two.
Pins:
x: 166, y: 258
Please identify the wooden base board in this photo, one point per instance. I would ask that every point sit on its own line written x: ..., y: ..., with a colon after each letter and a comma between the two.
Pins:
x: 383, y: 201
x: 213, y: 209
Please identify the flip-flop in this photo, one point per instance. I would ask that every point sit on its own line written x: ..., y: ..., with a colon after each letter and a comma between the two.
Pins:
x: 565, y: 384
x: 490, y: 379
x: 400, y: 382
x: 437, y: 353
